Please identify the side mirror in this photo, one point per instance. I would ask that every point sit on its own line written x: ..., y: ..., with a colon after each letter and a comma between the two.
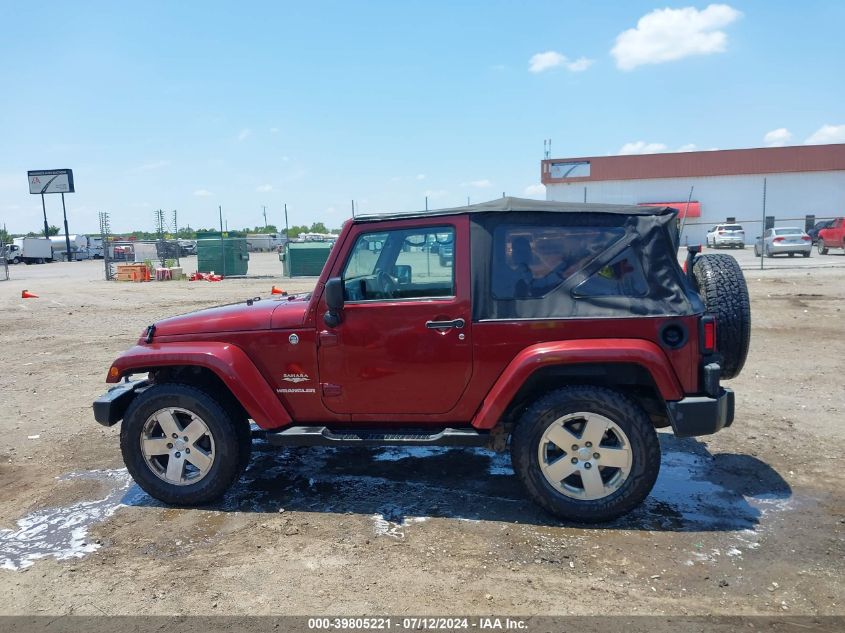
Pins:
x: 334, y: 301
x: 402, y: 272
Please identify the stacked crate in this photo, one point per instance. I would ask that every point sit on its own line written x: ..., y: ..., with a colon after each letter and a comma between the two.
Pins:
x: 132, y: 272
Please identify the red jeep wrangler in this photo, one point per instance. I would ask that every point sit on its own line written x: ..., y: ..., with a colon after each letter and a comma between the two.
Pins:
x: 567, y: 331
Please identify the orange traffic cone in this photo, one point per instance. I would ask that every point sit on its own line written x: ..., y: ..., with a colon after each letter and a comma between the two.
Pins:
x: 277, y: 291
x: 26, y: 294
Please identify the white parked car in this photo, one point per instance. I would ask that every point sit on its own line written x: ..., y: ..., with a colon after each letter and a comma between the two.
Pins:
x: 789, y: 240
x: 721, y: 235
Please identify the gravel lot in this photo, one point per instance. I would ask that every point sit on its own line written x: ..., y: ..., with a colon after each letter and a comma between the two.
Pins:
x: 749, y: 521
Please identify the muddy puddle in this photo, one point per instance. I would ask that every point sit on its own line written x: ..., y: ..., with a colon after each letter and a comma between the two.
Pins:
x: 400, y: 488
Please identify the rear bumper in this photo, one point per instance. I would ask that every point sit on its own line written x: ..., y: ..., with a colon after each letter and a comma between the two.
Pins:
x: 111, y: 406
x: 702, y: 415
x: 778, y: 249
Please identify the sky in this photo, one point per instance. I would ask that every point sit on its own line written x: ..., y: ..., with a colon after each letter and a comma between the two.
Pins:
x: 191, y: 105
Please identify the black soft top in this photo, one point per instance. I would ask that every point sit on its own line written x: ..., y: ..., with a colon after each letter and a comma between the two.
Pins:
x: 508, y: 204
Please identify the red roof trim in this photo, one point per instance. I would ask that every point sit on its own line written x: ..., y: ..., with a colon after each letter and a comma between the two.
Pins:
x: 731, y: 162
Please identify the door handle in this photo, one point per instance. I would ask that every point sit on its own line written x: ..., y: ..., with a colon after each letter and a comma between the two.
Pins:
x: 443, y: 325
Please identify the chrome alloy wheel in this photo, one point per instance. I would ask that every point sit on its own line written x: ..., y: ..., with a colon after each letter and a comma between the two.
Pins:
x: 177, y: 446
x: 585, y: 456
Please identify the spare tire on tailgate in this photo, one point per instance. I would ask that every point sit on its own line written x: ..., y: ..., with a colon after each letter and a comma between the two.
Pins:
x: 722, y: 287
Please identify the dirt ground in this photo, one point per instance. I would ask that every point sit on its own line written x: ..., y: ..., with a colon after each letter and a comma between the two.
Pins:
x: 748, y: 521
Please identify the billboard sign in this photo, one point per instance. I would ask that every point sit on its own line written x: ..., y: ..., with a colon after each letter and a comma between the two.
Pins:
x: 50, y: 181
x: 571, y: 169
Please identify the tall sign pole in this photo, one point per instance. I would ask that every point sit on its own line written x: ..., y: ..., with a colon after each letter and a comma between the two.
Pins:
x: 44, y: 209
x: 67, y: 234
x: 43, y: 181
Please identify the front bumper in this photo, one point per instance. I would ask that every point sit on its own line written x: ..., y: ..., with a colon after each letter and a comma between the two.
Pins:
x: 702, y: 415
x: 110, y: 408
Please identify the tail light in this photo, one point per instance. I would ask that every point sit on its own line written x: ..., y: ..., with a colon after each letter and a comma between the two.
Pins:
x: 708, y: 334
x: 777, y: 239
x: 806, y: 238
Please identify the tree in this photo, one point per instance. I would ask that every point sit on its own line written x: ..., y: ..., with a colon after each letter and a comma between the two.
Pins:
x: 52, y: 230
x: 319, y: 227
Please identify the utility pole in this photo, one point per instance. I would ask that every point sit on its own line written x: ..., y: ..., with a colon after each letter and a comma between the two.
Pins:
x: 287, y: 234
x: 265, y: 215
x: 220, y: 209
x: 763, y: 229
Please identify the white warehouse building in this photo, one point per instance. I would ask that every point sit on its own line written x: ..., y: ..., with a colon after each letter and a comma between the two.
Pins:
x: 727, y: 185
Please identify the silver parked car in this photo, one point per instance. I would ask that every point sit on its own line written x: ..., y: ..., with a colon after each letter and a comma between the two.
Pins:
x: 789, y: 240
x: 731, y: 235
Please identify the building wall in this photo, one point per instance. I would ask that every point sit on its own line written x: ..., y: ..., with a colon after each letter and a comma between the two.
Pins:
x: 788, y: 195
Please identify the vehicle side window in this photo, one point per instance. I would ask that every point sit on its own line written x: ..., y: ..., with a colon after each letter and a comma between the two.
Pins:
x: 622, y: 277
x: 529, y: 262
x: 402, y: 264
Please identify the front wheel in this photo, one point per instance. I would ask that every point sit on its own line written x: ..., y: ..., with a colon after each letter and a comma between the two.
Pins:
x: 182, y: 446
x: 586, y: 454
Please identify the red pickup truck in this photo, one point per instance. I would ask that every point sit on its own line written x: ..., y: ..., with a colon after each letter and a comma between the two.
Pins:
x: 832, y: 237
x: 567, y: 332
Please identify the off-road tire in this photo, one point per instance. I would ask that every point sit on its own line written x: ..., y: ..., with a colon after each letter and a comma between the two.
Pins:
x: 721, y: 284
x: 232, y: 444
x: 630, y: 417
x: 822, y: 248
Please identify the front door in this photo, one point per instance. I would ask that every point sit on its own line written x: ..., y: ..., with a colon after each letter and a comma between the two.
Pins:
x: 403, y: 346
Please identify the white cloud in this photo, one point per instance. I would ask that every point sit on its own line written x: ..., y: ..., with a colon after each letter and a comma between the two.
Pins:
x: 580, y: 65
x: 641, y: 147
x: 478, y: 184
x: 264, y: 188
x: 420, y: 176
x: 666, y: 35
x: 827, y: 134
x: 535, y: 191
x: 203, y: 193
x: 274, y: 130
x: 778, y: 137
x: 244, y: 134
x: 152, y: 166
x: 552, y: 59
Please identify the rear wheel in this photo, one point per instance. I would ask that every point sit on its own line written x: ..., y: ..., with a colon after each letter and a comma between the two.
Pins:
x: 822, y: 248
x: 806, y: 253
x: 722, y: 287
x: 182, y: 446
x: 791, y: 254
x: 586, y: 454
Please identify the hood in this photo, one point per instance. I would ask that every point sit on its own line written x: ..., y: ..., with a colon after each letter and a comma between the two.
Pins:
x: 288, y: 312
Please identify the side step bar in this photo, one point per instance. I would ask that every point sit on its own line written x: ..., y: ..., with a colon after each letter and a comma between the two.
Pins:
x: 323, y: 436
